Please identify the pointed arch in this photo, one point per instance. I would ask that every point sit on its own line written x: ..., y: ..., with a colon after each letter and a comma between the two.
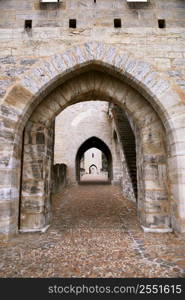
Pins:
x: 92, y: 166
x: 17, y: 106
x: 94, y: 142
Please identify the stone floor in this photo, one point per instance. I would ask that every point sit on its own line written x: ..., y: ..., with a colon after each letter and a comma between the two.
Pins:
x: 95, y: 233
x: 94, y: 178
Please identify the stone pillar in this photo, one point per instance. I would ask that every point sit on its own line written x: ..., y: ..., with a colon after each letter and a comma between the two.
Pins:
x: 153, y: 194
x: 36, y: 189
x: 10, y: 150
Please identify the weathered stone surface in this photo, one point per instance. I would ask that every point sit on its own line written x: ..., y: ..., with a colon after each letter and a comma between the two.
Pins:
x: 148, y: 58
x: 96, y: 228
x: 36, y: 178
x: 59, y: 178
x: 74, y: 126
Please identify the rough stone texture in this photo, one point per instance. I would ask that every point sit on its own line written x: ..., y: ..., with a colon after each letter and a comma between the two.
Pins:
x: 94, y: 237
x: 59, y: 178
x: 153, y: 195
x: 125, y: 142
x: 35, y: 211
x: 74, y: 126
x: 151, y: 60
x: 19, y: 49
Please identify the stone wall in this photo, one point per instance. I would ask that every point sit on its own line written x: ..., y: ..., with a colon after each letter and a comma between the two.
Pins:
x: 74, y: 126
x: 35, y: 206
x: 153, y: 188
x: 59, y: 178
x: 139, y: 34
x: 90, y: 84
x: 119, y: 136
x: 150, y: 59
x: 93, y: 157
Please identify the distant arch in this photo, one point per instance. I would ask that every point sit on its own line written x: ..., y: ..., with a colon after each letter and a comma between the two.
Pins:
x: 94, y: 142
x: 93, y: 167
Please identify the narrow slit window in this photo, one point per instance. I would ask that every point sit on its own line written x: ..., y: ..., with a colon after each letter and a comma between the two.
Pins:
x: 72, y: 23
x: 28, y: 24
x: 161, y: 23
x: 117, y: 23
x: 94, y: 1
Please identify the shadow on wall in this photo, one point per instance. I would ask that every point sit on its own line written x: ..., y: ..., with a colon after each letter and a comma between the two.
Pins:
x: 59, y: 178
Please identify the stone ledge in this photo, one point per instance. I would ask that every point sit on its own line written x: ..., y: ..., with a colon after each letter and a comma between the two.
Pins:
x: 42, y: 230
x: 157, y: 230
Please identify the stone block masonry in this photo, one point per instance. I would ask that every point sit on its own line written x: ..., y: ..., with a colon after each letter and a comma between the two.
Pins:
x: 35, y: 206
x: 51, y: 66
x: 74, y: 126
x: 50, y: 34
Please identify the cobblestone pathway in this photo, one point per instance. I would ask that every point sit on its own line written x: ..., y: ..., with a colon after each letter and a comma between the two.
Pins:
x: 95, y: 233
x: 96, y: 177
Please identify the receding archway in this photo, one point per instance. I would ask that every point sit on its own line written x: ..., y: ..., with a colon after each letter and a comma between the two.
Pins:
x: 153, y: 195
x: 21, y: 100
x: 94, y: 142
x: 93, y: 169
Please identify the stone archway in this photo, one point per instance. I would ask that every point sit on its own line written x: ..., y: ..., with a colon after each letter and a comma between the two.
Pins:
x: 21, y: 100
x: 94, y: 142
x: 153, y: 195
x: 93, y: 169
